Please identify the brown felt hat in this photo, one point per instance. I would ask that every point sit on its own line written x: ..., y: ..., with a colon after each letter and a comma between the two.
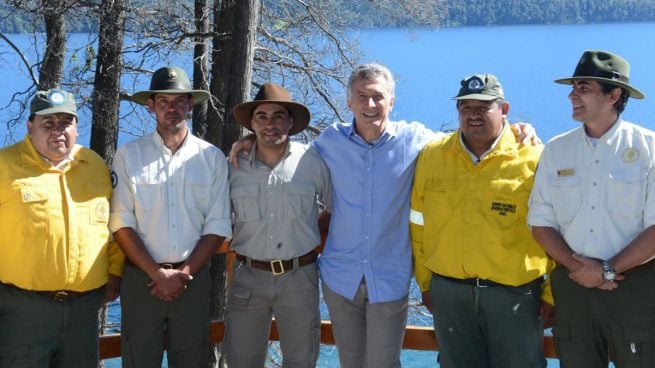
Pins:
x: 604, y: 66
x: 170, y: 80
x: 273, y: 93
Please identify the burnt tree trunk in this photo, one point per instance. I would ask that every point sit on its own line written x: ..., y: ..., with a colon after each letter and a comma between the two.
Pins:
x: 233, y: 51
x: 201, y: 67
x: 52, y: 67
x: 246, y: 14
x: 106, y: 87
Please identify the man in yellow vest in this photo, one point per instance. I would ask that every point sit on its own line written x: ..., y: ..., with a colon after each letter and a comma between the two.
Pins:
x: 479, y: 269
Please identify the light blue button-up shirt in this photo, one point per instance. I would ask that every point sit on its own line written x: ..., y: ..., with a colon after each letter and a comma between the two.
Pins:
x: 369, y: 229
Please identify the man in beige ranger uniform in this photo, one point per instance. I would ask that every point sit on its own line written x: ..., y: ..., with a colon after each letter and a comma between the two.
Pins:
x: 592, y: 208
x: 170, y: 212
x: 274, y: 194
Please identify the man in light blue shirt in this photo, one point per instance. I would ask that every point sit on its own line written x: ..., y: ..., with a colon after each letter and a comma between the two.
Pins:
x: 366, y: 265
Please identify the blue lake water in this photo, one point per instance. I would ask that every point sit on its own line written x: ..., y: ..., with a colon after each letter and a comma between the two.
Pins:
x: 429, y: 65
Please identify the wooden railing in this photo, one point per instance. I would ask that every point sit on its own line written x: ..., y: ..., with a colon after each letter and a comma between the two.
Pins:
x: 416, y: 337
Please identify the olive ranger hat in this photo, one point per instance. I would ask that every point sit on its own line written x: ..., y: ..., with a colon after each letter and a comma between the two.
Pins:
x: 484, y: 87
x: 273, y: 93
x: 170, y: 79
x: 604, y: 66
x: 53, y: 101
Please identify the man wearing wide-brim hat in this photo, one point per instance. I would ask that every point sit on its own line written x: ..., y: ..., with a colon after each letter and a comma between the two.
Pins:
x: 277, y: 191
x: 170, y: 212
x: 592, y: 208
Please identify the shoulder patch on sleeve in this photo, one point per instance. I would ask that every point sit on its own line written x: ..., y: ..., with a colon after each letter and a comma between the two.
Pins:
x: 114, y: 179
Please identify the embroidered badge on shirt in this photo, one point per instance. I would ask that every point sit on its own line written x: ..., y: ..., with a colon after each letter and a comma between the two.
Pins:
x: 565, y: 172
x: 503, y: 208
x: 101, y: 211
x: 630, y: 155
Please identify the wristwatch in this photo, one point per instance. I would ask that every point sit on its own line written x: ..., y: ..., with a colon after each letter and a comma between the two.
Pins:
x: 608, y: 272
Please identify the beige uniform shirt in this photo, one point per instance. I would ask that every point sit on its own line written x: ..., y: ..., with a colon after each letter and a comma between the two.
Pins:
x: 171, y: 200
x: 276, y: 209
x: 598, y: 197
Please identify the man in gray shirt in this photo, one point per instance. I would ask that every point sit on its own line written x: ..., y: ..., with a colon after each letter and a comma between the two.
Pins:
x: 275, y: 192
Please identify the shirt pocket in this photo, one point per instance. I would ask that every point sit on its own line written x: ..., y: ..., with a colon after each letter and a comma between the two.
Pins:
x: 245, y: 203
x: 626, y: 191
x: 440, y: 200
x: 197, y: 193
x: 567, y: 196
x: 147, y: 197
x: 301, y: 200
x: 34, y: 200
x: 97, y: 200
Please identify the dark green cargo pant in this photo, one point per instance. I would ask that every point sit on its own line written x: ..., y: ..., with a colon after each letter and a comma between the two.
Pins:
x: 589, y: 323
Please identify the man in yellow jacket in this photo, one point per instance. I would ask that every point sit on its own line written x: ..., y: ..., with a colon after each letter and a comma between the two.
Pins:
x: 57, y: 264
x: 479, y: 269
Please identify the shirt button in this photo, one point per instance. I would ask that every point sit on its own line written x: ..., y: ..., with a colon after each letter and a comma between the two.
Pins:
x: 593, y: 207
x: 595, y: 184
x: 173, y: 226
x: 271, y: 237
x: 365, y: 261
x: 272, y: 215
x: 596, y: 161
x: 591, y: 230
x: 27, y: 197
x: 365, y: 236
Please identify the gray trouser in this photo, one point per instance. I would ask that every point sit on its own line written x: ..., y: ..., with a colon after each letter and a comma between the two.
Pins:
x: 147, y: 322
x: 254, y: 296
x: 367, y: 335
x: 487, y: 327
x: 589, y: 323
x: 38, y: 332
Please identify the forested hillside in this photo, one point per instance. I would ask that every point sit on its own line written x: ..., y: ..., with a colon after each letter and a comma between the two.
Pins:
x: 450, y: 13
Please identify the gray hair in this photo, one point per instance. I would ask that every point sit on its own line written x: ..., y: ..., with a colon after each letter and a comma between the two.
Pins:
x: 370, y: 72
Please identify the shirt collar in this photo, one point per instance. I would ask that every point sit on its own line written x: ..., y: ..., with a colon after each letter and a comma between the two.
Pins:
x: 252, y: 159
x: 159, y: 142
x: 609, y: 135
x: 390, y: 131
x: 474, y: 158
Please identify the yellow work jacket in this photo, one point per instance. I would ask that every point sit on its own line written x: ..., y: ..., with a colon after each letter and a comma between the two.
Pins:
x: 469, y: 220
x: 54, y: 233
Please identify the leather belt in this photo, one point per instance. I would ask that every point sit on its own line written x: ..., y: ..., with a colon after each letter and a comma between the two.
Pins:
x: 475, y: 281
x: 278, y: 266
x: 166, y: 266
x: 57, y: 295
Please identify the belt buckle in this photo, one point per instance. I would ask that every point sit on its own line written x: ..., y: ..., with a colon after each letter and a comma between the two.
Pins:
x: 60, y: 296
x: 167, y: 266
x: 280, y: 264
x: 478, y: 284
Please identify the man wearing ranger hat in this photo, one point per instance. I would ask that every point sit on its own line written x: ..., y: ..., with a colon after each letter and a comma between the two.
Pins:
x: 55, y: 254
x: 275, y: 193
x: 475, y: 261
x: 592, y: 209
x: 170, y: 212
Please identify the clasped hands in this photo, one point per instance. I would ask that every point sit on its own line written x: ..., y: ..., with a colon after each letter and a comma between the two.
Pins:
x: 590, y: 274
x: 169, y: 284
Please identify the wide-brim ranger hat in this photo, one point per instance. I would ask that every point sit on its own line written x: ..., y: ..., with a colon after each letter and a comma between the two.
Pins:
x: 273, y: 93
x: 170, y: 79
x: 483, y: 87
x: 53, y: 101
x: 604, y: 66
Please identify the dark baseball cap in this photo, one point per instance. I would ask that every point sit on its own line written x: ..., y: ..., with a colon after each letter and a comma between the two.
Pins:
x: 484, y: 87
x: 53, y: 101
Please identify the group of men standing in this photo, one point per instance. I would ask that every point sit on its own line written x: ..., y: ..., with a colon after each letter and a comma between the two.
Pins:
x: 487, y: 222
